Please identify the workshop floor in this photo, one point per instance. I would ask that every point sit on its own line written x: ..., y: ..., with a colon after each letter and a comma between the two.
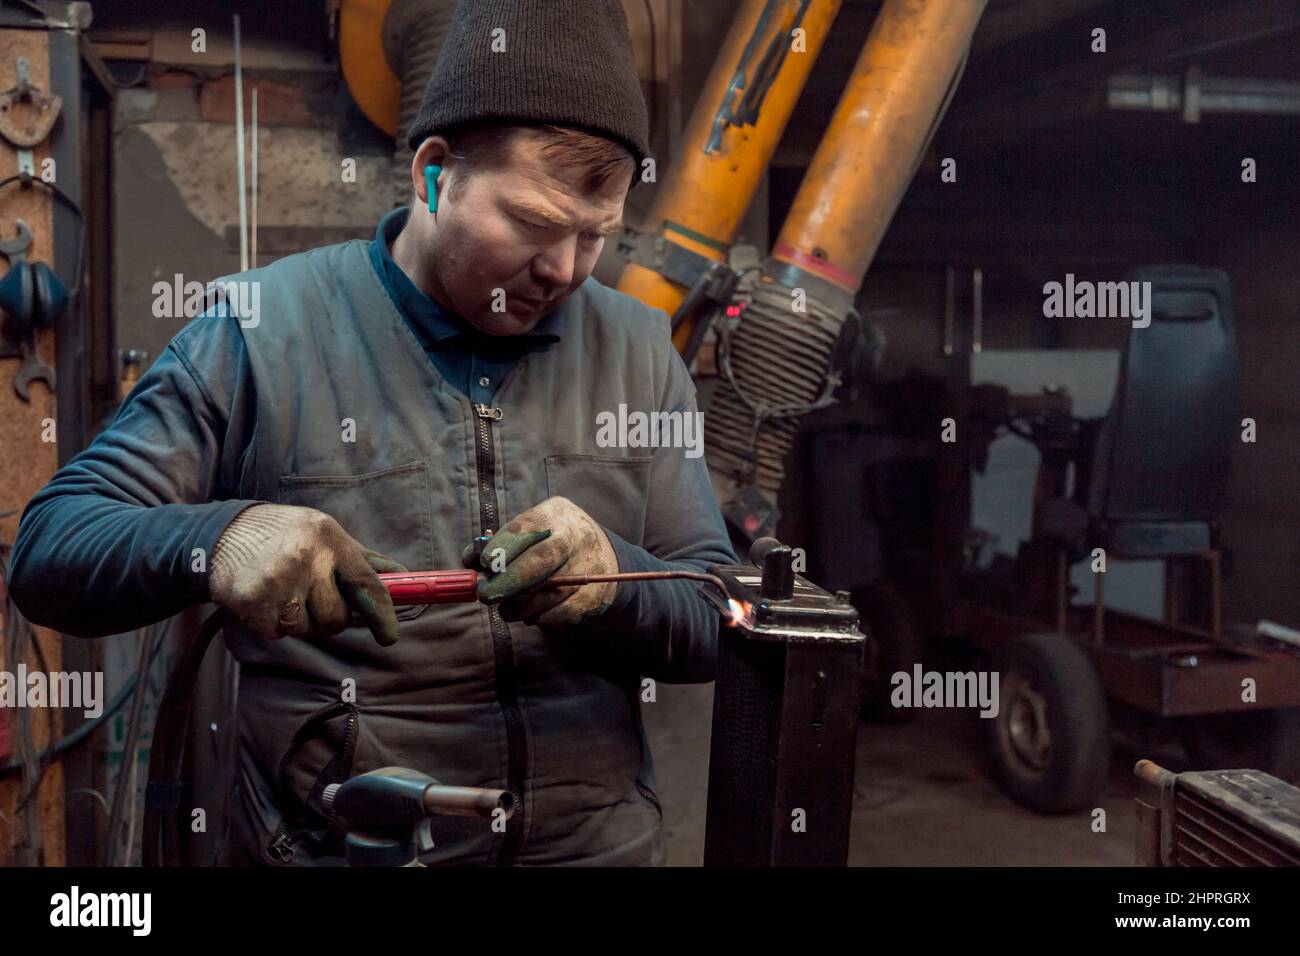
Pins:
x: 922, y: 797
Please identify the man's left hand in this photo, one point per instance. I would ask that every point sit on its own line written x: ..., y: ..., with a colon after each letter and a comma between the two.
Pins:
x: 554, y: 537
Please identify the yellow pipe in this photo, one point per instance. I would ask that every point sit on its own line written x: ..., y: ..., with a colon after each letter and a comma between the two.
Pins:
x: 709, y: 193
x: 371, y: 81
x: 870, y: 149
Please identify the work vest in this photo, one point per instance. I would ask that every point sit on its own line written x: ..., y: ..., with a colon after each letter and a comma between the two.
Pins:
x: 353, y: 419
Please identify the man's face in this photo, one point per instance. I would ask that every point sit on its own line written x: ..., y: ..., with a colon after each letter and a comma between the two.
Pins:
x: 527, y: 229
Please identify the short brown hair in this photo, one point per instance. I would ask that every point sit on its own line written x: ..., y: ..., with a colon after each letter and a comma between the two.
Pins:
x: 486, y: 146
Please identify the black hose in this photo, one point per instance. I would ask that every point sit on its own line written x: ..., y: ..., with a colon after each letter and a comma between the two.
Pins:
x: 161, y: 835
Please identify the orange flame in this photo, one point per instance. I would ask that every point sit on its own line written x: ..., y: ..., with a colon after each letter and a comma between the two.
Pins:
x: 739, y: 611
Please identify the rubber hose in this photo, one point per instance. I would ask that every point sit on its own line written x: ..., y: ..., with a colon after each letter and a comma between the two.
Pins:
x: 161, y: 834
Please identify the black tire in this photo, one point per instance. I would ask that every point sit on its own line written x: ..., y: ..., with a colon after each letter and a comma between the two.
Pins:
x: 1048, y: 686
x: 887, y: 615
x: 1267, y: 740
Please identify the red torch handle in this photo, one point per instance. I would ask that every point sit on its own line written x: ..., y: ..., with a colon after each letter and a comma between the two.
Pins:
x: 432, y: 587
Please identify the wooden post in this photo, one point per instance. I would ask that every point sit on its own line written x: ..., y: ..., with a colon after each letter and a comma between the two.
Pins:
x: 29, y: 459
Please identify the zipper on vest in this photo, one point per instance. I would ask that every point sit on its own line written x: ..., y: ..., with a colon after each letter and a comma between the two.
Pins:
x: 503, y: 649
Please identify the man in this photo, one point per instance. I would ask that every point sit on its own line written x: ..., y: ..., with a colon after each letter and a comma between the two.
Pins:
x: 405, y: 396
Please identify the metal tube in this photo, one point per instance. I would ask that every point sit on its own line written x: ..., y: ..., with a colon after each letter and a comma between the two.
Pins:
x: 252, y: 230
x: 707, y: 192
x: 466, y: 801
x: 875, y: 138
x: 1211, y: 94
x: 775, y: 365
x: 239, y: 148
x: 577, y: 580
x: 1149, y: 772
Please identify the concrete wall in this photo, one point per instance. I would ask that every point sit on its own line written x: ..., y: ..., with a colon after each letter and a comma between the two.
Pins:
x: 1262, y: 520
x: 177, y: 200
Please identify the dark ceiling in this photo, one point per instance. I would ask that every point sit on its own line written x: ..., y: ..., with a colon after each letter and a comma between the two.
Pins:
x: 1049, y: 171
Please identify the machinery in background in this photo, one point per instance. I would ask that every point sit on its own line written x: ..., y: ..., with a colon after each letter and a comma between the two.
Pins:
x: 781, y: 322
x: 1144, y: 482
x: 1225, y: 818
x: 787, y: 333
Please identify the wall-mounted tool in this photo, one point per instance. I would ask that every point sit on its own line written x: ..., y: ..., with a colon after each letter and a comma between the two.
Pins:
x: 33, y: 298
x: 31, y: 294
x: 27, y: 114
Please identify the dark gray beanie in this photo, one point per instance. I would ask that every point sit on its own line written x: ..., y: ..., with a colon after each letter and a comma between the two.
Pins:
x: 565, y: 62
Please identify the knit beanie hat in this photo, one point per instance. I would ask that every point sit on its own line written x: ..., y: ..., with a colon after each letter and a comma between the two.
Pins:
x: 563, y: 62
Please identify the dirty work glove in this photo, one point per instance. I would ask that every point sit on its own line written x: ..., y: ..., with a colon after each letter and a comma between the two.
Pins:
x: 554, y: 537
x: 290, y: 571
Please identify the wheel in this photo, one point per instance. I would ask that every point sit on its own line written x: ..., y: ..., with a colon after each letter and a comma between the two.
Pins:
x: 1267, y: 740
x: 1050, y: 741
x: 891, y: 624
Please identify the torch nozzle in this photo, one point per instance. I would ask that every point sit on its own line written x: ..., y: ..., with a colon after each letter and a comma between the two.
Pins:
x: 467, y: 801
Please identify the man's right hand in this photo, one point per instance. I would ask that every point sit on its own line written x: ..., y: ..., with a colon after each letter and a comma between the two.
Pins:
x: 290, y: 571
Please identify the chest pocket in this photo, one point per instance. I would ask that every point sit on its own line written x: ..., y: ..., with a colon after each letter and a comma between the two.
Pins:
x: 386, y: 511
x: 612, y: 490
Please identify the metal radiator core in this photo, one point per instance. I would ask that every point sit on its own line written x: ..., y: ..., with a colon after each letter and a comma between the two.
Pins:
x: 785, y: 715
x: 1221, y: 818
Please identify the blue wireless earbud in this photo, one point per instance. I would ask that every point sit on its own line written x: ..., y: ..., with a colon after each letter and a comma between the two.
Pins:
x: 431, y: 174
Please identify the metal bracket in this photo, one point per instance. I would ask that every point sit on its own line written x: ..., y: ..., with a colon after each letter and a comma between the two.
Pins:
x: 656, y: 252
x: 36, y: 128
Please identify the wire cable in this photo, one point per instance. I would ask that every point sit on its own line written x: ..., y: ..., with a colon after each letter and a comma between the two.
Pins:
x: 161, y: 837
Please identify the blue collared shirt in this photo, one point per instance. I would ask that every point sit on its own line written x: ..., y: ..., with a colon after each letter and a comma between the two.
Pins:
x: 470, y: 360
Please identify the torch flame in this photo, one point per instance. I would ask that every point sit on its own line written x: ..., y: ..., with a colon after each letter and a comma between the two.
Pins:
x: 739, y: 611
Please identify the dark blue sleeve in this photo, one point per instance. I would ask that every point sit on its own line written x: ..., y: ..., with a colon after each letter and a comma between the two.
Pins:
x: 122, y: 534
x: 665, y: 629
